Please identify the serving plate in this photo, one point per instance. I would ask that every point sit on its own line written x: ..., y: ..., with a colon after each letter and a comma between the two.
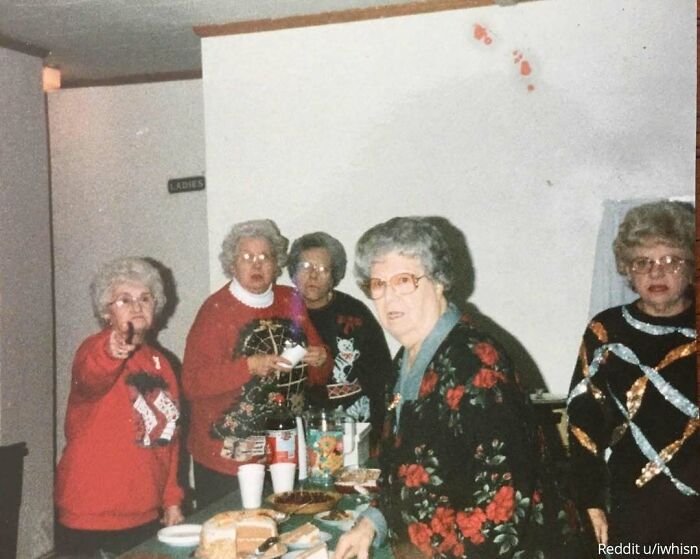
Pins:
x: 180, y: 535
x: 339, y: 524
x: 303, y: 502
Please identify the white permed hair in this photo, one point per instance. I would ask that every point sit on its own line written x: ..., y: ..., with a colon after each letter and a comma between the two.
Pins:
x: 130, y: 269
x: 255, y: 228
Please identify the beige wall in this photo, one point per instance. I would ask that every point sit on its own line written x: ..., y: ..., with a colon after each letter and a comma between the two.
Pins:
x: 26, y: 312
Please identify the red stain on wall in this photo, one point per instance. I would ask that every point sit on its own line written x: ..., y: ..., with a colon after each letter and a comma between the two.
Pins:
x: 482, y: 34
x: 524, y: 67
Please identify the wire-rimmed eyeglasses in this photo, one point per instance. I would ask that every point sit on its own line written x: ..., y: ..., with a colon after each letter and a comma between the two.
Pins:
x: 305, y: 267
x: 143, y: 300
x: 250, y: 258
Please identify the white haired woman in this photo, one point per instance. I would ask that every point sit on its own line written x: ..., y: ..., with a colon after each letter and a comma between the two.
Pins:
x: 232, y: 371
x: 118, y: 472
x: 462, y: 469
x: 634, y: 391
x: 361, y: 360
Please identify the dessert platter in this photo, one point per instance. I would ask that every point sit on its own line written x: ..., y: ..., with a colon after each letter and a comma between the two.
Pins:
x: 304, y: 502
x: 348, y: 479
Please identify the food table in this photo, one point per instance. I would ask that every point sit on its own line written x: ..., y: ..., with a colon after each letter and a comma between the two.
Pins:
x: 154, y: 549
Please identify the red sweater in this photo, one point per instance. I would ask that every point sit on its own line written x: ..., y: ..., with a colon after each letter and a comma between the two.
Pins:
x: 212, y: 376
x: 119, y: 466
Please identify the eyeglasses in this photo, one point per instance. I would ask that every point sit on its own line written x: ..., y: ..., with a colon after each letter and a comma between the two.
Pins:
x: 668, y: 263
x: 143, y: 300
x: 402, y: 284
x: 307, y: 267
x: 250, y: 259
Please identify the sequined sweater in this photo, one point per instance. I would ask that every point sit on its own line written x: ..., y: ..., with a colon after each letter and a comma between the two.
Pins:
x: 634, y: 392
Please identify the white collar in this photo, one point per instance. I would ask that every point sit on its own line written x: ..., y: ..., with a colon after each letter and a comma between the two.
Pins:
x: 255, y: 300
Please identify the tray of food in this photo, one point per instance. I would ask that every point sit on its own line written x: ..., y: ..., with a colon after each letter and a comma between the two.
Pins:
x: 365, y: 478
x: 303, y: 502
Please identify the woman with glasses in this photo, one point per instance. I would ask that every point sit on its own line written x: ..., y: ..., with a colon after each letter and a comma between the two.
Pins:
x: 633, y: 414
x: 462, y: 468
x: 361, y: 360
x: 118, y: 473
x: 233, y: 372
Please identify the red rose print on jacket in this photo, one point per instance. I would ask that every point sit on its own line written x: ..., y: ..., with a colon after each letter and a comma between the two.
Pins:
x: 420, y: 534
x: 443, y: 522
x: 428, y: 383
x: 503, y: 505
x: 454, y: 396
x: 448, y: 543
x: 470, y: 524
x: 414, y: 474
x: 487, y: 353
x: 487, y: 378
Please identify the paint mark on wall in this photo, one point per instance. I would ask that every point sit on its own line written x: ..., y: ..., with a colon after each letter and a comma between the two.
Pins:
x: 524, y: 67
x: 482, y: 34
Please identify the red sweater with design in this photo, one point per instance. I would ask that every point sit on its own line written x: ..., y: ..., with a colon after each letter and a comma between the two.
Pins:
x: 214, y: 371
x: 119, y: 466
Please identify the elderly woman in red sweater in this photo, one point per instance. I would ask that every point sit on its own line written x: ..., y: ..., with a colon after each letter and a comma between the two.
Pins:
x: 233, y: 371
x: 117, y: 479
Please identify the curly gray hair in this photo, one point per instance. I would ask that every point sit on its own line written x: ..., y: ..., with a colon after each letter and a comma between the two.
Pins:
x: 319, y: 239
x: 415, y: 237
x: 130, y: 269
x: 255, y: 228
x: 666, y: 222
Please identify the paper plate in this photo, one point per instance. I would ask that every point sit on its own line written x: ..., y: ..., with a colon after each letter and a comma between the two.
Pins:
x: 181, y: 535
x: 293, y: 554
x: 322, y: 536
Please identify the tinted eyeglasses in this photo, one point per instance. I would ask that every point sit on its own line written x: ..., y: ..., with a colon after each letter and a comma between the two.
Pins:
x: 667, y: 264
x: 402, y: 284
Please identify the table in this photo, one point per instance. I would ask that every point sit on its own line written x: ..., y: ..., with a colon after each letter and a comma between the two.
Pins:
x: 153, y: 549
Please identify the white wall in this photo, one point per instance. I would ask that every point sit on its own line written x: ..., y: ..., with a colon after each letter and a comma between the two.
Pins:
x: 339, y: 127
x: 26, y: 313
x: 113, y: 150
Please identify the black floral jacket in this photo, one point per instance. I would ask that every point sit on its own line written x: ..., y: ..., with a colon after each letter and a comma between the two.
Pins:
x: 464, y: 473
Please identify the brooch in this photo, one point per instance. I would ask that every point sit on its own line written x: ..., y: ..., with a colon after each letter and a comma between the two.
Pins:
x: 394, y: 401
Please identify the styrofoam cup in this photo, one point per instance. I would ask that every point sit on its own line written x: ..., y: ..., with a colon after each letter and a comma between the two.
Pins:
x: 250, y: 480
x: 282, y: 474
x: 293, y: 354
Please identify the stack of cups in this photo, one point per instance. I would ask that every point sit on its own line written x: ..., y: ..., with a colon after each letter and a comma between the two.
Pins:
x: 250, y: 479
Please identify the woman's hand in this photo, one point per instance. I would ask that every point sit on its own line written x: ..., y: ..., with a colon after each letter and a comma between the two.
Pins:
x: 119, y: 348
x: 172, y: 515
x: 262, y: 365
x: 315, y: 355
x: 356, y: 542
x: 600, y: 525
